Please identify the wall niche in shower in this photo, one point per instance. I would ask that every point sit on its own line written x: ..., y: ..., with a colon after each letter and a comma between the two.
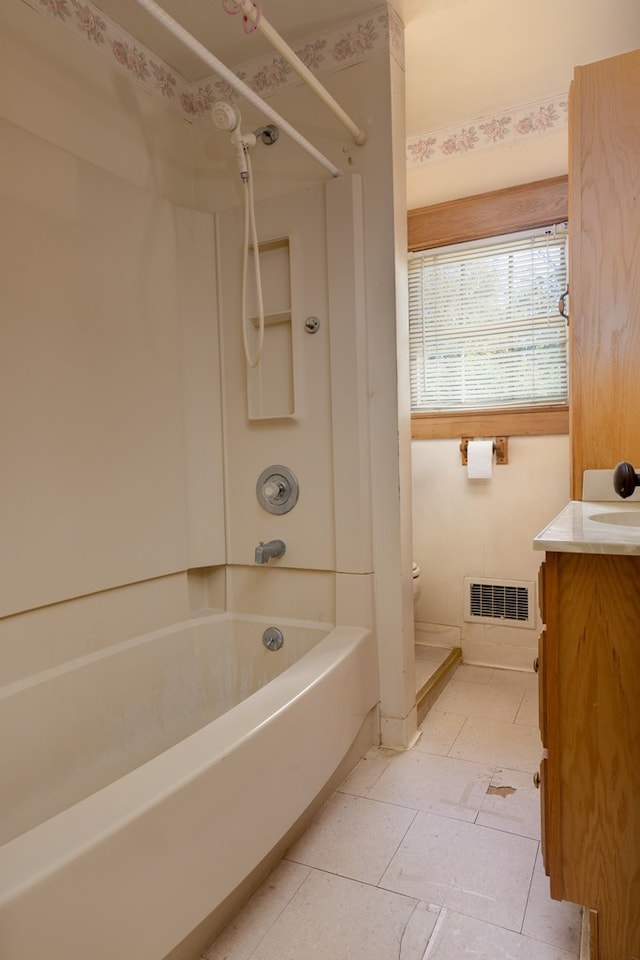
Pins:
x: 270, y: 384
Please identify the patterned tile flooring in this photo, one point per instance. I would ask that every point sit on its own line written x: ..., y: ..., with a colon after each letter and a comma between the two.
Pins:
x: 432, y: 854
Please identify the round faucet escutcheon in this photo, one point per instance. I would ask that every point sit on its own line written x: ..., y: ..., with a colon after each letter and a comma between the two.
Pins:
x: 625, y: 479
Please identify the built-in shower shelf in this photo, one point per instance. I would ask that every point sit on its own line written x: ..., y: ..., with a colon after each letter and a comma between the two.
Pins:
x: 266, y: 246
x: 273, y: 319
x: 271, y: 384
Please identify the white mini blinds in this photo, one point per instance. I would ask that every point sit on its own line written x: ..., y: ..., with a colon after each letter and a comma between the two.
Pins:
x: 484, y: 328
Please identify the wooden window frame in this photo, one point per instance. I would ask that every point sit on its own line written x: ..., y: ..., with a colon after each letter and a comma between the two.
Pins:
x: 524, y: 207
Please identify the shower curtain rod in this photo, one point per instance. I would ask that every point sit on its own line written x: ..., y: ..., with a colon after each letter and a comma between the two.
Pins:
x: 252, y: 13
x: 212, y: 61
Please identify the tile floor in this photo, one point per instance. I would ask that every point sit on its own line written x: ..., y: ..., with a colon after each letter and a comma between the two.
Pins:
x: 432, y: 854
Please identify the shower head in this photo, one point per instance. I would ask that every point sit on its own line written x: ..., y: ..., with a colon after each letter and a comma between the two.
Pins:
x: 225, y: 116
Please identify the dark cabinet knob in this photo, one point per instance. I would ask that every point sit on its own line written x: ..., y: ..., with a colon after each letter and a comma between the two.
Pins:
x: 536, y: 780
x: 625, y: 479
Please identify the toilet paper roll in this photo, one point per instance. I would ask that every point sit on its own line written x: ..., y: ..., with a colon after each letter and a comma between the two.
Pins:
x: 479, y: 459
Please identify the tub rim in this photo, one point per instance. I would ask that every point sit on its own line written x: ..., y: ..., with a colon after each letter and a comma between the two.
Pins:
x: 86, y: 659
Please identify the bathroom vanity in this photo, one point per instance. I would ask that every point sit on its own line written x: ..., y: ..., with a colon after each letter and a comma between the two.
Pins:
x: 589, y: 686
x: 589, y: 651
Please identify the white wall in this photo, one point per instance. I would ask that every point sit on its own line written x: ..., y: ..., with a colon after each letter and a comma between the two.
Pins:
x: 485, y: 529
x: 56, y: 86
x: 110, y: 425
x: 467, y: 61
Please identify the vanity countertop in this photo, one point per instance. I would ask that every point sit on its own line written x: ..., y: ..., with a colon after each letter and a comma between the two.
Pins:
x: 587, y: 526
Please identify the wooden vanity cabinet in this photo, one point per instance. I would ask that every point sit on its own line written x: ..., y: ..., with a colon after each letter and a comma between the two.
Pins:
x: 589, y: 674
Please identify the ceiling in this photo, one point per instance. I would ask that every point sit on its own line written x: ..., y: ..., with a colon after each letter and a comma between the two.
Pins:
x: 467, y: 59
x: 464, y: 58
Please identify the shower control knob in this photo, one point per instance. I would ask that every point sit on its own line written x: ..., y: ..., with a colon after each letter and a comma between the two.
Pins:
x: 625, y: 479
x: 274, y: 489
x: 277, y: 489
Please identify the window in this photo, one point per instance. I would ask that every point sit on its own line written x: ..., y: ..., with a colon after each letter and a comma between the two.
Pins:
x: 484, y: 328
x: 486, y: 216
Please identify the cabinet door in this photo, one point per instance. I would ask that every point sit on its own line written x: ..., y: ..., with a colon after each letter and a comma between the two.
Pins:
x: 594, y: 760
x: 548, y: 685
x: 541, y: 594
x: 545, y: 847
x: 538, y: 663
x: 604, y: 209
x: 542, y: 689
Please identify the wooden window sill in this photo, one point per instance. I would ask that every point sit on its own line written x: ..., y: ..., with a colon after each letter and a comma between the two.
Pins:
x: 520, y: 422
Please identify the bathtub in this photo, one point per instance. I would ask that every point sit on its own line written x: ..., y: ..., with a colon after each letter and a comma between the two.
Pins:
x: 142, y: 785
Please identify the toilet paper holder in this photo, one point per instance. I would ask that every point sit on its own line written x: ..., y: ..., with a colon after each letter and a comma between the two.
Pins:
x: 500, y: 449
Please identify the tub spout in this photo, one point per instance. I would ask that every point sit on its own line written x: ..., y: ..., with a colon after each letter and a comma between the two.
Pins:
x: 270, y: 550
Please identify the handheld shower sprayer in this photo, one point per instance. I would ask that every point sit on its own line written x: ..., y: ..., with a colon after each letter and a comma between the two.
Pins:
x: 226, y: 116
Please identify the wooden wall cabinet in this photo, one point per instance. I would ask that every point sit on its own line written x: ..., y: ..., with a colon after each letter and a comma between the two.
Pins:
x: 604, y: 272
x: 589, y: 657
x: 589, y: 675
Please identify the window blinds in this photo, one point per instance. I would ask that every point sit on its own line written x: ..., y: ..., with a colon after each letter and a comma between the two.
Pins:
x: 484, y: 327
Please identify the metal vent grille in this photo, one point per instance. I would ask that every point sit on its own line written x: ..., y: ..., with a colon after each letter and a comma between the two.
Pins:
x: 504, y: 601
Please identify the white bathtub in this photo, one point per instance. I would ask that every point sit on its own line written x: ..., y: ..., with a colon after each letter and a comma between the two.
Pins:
x: 142, y: 785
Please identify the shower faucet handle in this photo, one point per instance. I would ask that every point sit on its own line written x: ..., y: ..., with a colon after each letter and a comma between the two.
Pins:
x: 625, y: 479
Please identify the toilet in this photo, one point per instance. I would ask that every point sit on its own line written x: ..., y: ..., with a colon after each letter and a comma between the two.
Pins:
x: 416, y: 582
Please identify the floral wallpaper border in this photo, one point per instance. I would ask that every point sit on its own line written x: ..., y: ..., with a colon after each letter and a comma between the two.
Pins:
x: 349, y: 44
x: 505, y: 127
x: 90, y: 24
x: 344, y: 46
x: 354, y: 42
x: 396, y: 37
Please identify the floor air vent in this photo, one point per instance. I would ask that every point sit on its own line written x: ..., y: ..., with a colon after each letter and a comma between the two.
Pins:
x: 500, y: 601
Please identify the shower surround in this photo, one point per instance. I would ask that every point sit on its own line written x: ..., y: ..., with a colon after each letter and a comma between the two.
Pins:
x: 131, y: 453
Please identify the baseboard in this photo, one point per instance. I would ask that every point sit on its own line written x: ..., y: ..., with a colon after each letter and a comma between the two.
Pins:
x: 589, y: 935
x: 584, y: 936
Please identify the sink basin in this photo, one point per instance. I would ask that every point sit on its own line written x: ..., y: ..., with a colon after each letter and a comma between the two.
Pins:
x: 620, y: 518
